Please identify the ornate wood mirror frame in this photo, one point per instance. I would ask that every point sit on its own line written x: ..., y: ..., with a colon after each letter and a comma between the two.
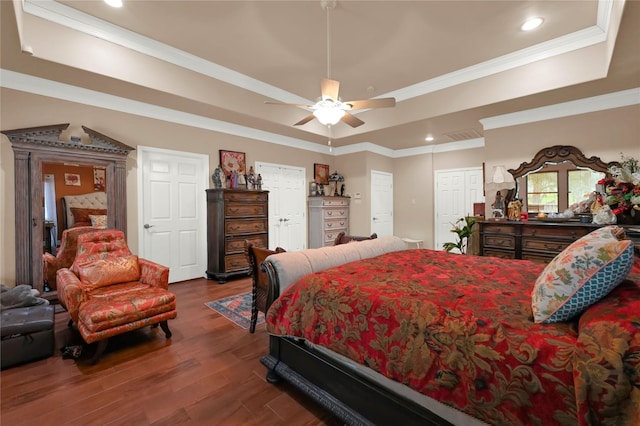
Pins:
x: 557, y: 154
x: 37, y: 145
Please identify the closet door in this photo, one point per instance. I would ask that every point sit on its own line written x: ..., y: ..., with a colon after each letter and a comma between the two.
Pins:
x: 287, y: 205
x: 455, y: 192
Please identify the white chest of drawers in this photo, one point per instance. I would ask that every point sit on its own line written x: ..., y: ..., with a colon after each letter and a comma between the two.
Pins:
x: 328, y: 216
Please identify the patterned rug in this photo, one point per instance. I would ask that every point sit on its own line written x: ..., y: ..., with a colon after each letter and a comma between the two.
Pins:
x: 237, y: 309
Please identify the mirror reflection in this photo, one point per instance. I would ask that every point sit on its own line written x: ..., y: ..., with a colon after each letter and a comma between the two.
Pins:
x: 555, y: 187
x: 68, y: 188
x: 558, y: 178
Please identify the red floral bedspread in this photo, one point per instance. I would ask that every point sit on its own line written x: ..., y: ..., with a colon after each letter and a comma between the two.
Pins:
x: 460, y: 329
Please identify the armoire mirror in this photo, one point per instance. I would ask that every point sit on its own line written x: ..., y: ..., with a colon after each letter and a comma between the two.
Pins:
x: 557, y: 158
x: 36, y: 146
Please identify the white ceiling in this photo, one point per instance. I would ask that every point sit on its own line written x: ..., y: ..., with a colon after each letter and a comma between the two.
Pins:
x: 448, y: 63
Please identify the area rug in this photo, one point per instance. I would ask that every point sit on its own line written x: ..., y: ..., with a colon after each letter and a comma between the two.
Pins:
x: 237, y: 309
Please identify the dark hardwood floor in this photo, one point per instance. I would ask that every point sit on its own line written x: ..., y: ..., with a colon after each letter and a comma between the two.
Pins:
x: 209, y: 373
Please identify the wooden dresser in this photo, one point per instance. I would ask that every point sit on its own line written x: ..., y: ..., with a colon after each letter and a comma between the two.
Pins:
x: 533, y: 240
x: 234, y: 215
x: 328, y: 216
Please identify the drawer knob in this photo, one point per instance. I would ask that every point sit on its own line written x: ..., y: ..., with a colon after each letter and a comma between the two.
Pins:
x: 329, y: 213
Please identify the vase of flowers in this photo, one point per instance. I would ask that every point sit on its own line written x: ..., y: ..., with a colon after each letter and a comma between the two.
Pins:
x: 622, y: 190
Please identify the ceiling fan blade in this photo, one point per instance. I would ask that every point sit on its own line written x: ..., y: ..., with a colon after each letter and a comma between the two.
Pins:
x: 372, y: 103
x: 329, y: 88
x: 286, y: 104
x: 352, y: 120
x: 305, y: 120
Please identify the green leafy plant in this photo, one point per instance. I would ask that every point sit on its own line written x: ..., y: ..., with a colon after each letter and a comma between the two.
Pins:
x: 462, y: 228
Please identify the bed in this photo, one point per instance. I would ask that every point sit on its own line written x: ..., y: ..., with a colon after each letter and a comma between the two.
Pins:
x: 78, y: 209
x: 428, y: 337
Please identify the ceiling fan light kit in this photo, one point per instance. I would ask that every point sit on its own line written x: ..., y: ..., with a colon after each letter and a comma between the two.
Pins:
x: 328, y: 112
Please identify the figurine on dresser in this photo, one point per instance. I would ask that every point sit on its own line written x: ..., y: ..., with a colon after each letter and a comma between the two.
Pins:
x: 217, y: 177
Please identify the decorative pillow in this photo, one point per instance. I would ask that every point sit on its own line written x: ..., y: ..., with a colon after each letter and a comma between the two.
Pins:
x: 98, y: 220
x: 582, y: 274
x: 82, y: 214
x: 104, y: 272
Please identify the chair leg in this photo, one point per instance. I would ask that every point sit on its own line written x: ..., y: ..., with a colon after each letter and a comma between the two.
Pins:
x: 165, y: 327
x: 70, y: 323
x: 102, y: 345
x: 254, y: 311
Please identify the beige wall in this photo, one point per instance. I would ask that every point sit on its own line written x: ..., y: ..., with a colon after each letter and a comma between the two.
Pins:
x: 604, y: 134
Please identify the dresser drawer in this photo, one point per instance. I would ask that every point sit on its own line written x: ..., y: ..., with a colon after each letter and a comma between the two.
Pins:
x: 538, y: 257
x: 499, y: 253
x: 335, y: 225
x: 499, y: 241
x: 244, y: 210
x: 235, y: 262
x: 335, y: 202
x: 330, y: 237
x: 568, y: 233
x: 245, y: 196
x: 498, y: 228
x: 236, y: 245
x: 548, y: 245
x: 335, y: 213
x: 245, y: 226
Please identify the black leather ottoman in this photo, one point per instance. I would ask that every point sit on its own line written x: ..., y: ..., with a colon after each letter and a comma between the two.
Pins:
x: 27, y: 334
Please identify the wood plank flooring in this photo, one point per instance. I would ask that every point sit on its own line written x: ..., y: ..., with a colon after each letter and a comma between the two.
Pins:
x: 208, y: 373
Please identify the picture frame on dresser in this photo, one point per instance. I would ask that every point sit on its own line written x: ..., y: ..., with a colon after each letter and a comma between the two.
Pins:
x: 233, y: 161
x: 321, y: 173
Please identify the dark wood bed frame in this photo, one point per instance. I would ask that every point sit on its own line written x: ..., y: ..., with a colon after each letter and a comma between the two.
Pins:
x: 353, y: 398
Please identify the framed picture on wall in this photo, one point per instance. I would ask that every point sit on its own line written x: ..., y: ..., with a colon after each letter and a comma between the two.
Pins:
x: 321, y: 173
x: 233, y: 161
x: 72, y: 179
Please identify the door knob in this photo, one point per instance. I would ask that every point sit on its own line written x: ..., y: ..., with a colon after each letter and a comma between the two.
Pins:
x: 147, y: 226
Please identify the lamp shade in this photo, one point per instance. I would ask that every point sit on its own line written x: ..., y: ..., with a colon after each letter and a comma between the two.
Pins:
x: 499, y: 178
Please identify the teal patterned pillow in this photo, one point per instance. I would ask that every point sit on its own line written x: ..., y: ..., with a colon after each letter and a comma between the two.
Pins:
x: 582, y: 274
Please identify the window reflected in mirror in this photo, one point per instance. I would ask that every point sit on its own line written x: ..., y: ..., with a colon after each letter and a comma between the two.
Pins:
x: 542, y: 192
x: 554, y: 187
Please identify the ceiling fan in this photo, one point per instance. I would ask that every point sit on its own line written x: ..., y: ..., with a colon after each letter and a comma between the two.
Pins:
x: 330, y: 109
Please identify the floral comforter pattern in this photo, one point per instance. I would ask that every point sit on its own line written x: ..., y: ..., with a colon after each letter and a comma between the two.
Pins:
x: 460, y: 330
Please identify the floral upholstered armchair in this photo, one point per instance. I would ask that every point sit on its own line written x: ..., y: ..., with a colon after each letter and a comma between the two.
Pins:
x: 109, y: 291
x: 65, y: 255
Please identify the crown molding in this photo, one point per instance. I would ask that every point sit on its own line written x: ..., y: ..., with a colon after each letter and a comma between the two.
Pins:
x: 566, y: 109
x: 39, y: 86
x: 43, y: 87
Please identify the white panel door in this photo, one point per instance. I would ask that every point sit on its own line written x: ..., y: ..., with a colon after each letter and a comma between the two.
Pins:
x: 381, y: 203
x: 173, y: 211
x: 455, y: 193
x: 287, y: 205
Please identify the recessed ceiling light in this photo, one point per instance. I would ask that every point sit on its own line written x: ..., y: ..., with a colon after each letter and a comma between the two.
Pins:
x: 531, y: 24
x: 114, y: 3
x: 429, y: 138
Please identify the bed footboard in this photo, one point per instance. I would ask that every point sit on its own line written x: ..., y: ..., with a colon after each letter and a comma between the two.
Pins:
x: 354, y: 399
